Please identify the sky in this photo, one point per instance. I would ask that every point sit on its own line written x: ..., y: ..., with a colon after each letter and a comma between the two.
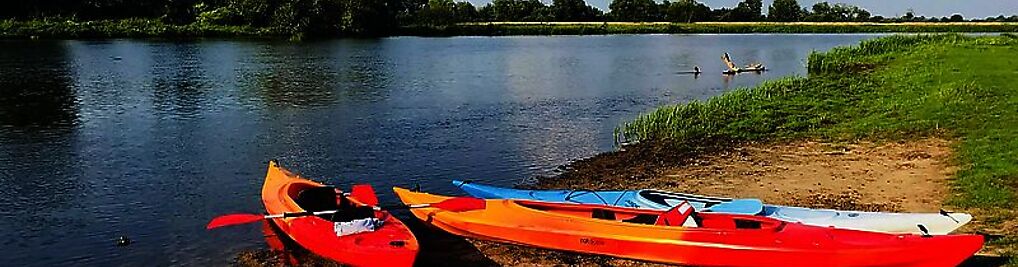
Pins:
x: 887, y: 8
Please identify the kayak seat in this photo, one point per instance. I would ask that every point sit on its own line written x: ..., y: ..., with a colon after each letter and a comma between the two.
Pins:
x: 747, y: 224
x: 325, y: 198
x: 317, y: 199
x: 602, y: 214
x: 680, y: 215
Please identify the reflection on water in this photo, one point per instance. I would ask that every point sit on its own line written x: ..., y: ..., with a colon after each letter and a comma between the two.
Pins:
x: 179, y: 81
x: 35, y: 87
x: 150, y: 139
x: 294, y: 76
x: 38, y: 115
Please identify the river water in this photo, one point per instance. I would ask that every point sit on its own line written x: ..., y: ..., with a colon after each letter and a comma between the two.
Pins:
x: 149, y: 139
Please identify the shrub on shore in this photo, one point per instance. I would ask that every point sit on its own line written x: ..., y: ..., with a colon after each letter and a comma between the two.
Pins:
x: 122, y: 28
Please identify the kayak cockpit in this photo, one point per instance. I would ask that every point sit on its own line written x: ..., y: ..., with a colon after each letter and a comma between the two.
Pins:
x: 670, y: 199
x: 650, y: 217
x: 326, y: 198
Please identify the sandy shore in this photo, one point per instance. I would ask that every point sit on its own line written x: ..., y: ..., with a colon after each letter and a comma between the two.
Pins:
x: 909, y: 176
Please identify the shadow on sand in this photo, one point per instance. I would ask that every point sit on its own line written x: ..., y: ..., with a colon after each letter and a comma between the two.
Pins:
x: 985, y: 261
x: 439, y: 248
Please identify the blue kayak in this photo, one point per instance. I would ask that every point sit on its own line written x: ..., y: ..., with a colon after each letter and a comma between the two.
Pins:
x: 931, y: 223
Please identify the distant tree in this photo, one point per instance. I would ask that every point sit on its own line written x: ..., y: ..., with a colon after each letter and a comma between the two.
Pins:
x: 465, y: 12
x: 486, y: 13
x: 438, y: 12
x: 686, y: 11
x: 821, y: 12
x: 574, y: 10
x: 784, y: 10
x: 82, y: 9
x: 408, y: 11
x: 254, y: 12
x: 997, y: 18
x: 859, y: 14
x: 824, y: 11
x: 518, y: 10
x: 180, y: 11
x: 957, y: 18
x: 721, y: 14
x: 314, y: 17
x: 909, y: 15
x: 634, y: 10
x: 541, y: 13
x: 366, y: 17
x: 747, y: 10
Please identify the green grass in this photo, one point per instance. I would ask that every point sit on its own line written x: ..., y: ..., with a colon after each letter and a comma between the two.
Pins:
x: 892, y: 88
x: 896, y: 87
x: 494, y: 29
x: 126, y: 28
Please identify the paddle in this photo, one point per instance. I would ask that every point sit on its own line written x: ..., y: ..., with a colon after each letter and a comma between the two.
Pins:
x: 365, y: 194
x: 458, y: 204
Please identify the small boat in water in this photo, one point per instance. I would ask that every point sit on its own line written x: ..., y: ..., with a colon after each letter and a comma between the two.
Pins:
x: 682, y: 236
x: 933, y: 223
x: 391, y: 244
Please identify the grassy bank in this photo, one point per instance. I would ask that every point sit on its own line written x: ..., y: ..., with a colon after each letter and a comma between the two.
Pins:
x: 594, y: 28
x: 144, y: 28
x: 893, y: 88
x: 127, y: 28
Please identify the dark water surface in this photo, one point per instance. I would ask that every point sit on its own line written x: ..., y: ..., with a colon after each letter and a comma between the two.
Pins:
x: 150, y: 139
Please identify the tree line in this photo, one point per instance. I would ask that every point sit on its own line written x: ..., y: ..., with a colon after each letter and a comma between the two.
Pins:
x: 325, y: 17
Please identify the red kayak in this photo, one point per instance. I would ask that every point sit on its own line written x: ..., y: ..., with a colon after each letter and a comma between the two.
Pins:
x: 284, y: 192
x: 682, y: 236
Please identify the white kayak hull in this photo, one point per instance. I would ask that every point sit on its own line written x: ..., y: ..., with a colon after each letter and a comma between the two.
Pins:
x: 933, y: 223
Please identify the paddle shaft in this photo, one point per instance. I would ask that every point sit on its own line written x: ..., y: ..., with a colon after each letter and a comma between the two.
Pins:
x: 299, y: 214
x: 326, y: 212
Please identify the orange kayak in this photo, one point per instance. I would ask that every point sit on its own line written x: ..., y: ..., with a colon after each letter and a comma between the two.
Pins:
x: 392, y: 244
x: 718, y: 240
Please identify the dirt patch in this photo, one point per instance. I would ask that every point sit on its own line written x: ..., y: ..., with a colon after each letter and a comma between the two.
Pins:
x: 908, y: 176
x: 513, y: 255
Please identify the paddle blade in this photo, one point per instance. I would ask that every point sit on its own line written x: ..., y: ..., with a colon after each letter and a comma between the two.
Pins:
x: 365, y: 194
x: 233, y: 219
x: 460, y: 204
